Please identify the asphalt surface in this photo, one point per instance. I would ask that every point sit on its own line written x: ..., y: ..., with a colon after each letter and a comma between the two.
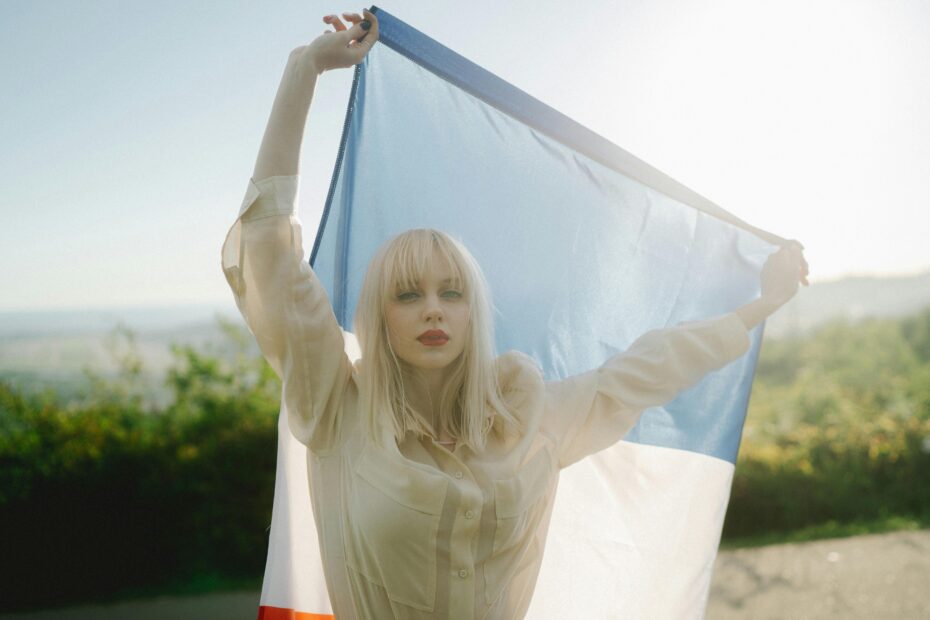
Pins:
x: 877, y: 576
x: 880, y: 576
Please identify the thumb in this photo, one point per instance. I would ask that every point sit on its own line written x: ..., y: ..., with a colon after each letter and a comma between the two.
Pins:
x: 357, y: 33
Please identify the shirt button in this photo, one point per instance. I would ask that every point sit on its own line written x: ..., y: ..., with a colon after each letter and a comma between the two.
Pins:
x: 458, y: 475
x: 463, y: 573
x: 469, y: 514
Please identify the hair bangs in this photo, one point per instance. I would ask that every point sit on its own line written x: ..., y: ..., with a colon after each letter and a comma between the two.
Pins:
x: 417, y: 252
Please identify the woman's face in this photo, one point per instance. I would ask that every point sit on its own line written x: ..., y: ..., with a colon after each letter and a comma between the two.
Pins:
x: 427, y: 324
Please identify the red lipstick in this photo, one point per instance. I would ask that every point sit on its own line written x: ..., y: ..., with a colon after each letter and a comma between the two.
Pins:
x: 433, y: 337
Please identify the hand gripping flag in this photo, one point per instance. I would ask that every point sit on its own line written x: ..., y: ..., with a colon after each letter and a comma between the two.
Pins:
x: 585, y: 248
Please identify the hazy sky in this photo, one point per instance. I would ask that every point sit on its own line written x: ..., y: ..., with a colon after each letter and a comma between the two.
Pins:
x: 129, y: 129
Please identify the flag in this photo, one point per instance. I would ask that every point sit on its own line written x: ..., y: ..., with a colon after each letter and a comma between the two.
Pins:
x: 585, y: 248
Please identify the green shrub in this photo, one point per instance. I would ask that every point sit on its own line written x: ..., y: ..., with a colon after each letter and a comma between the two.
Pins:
x: 838, y: 430
x: 107, y: 496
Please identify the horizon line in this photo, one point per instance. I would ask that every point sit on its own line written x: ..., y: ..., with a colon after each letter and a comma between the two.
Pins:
x: 230, y: 304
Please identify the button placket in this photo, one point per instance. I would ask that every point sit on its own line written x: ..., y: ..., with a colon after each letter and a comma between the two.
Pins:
x: 465, y: 529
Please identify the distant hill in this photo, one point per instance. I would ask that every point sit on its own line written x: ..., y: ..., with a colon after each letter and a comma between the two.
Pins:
x: 50, y: 348
x: 851, y: 298
x: 97, y: 320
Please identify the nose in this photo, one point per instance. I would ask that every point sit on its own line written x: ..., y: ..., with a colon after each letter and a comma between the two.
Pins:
x: 432, y: 311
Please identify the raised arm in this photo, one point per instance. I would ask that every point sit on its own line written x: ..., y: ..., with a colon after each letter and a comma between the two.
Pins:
x: 280, y: 297
x: 279, y: 153
x: 591, y: 411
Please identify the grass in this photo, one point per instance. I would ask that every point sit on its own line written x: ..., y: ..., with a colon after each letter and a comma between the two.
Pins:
x: 210, y: 582
x: 830, y: 529
x: 190, y: 585
x: 199, y: 583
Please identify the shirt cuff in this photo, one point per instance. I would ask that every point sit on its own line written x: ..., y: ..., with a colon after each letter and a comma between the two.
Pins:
x: 275, y: 195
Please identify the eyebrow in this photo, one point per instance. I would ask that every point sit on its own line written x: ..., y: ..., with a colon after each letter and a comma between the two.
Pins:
x: 445, y: 282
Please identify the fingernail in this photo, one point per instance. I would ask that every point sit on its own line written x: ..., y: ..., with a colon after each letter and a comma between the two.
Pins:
x: 365, y: 24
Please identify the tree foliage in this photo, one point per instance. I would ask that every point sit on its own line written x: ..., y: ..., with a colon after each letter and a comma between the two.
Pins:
x: 838, y: 429
x: 112, y: 494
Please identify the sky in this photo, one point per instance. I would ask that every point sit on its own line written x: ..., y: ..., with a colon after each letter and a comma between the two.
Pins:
x: 130, y: 129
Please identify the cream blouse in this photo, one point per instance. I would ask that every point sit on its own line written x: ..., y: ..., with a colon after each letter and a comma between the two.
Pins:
x: 414, y: 530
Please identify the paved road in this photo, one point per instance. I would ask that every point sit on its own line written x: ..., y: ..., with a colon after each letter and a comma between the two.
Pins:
x: 881, y: 576
x: 877, y: 577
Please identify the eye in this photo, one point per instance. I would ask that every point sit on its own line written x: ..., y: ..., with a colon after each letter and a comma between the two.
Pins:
x: 407, y: 296
x: 451, y: 294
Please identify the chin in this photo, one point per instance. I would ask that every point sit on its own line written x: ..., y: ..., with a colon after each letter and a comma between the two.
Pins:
x: 433, y: 360
x: 434, y: 364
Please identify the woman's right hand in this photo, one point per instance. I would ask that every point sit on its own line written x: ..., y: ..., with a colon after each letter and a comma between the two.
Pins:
x: 343, y: 47
x: 782, y: 272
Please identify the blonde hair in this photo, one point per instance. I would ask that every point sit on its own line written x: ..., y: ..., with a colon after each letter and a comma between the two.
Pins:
x: 471, y: 402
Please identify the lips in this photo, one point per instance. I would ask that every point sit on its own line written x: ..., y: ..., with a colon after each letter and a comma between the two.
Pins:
x: 433, y: 337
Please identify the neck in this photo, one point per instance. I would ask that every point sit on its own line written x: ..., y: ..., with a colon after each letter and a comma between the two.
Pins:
x: 424, y: 392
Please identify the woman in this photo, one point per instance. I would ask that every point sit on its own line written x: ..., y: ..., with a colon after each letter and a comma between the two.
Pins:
x: 433, y: 464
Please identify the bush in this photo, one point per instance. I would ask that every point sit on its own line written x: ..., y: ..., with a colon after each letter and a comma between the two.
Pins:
x: 838, y: 430
x: 109, y: 496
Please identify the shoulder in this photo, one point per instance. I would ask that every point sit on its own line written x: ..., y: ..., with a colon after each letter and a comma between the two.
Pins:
x: 518, y: 371
x: 521, y: 384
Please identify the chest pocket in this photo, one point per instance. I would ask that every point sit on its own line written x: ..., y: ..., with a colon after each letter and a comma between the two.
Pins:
x: 517, y: 499
x: 393, y: 527
x: 519, y: 504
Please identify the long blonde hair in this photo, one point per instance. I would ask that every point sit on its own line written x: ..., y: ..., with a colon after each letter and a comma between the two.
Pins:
x: 471, y: 402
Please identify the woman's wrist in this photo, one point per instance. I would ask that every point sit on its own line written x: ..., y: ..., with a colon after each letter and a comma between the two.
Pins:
x: 302, y: 69
x: 770, y: 303
x: 303, y: 60
x: 756, y: 311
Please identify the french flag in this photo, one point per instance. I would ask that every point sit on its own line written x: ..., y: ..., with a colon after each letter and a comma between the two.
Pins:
x: 585, y: 248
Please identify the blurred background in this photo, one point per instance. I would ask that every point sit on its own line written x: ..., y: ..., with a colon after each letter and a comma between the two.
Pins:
x: 138, y: 422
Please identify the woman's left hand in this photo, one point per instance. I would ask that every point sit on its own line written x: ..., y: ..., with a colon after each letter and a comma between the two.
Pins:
x: 782, y: 272
x: 344, y: 47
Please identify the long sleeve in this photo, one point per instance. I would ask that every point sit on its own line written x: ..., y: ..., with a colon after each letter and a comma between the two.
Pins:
x: 591, y: 411
x: 287, y: 310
